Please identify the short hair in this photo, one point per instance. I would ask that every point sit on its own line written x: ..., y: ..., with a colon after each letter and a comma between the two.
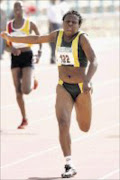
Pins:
x: 72, y: 12
x: 19, y: 2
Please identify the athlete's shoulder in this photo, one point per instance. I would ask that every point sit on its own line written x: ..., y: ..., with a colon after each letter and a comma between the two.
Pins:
x: 82, y: 36
x: 60, y: 31
x: 81, y: 32
x: 84, y: 39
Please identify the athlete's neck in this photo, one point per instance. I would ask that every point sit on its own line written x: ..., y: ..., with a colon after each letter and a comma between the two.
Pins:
x: 18, y: 23
x: 69, y: 38
x: 19, y: 19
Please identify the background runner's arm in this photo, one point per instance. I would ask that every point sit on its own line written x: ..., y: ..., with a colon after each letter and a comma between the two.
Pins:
x: 36, y: 31
x: 34, y: 28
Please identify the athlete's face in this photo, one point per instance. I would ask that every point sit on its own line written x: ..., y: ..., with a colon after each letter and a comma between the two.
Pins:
x: 18, y: 10
x: 71, y: 24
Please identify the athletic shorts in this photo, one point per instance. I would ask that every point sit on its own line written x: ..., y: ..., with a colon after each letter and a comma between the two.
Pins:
x: 23, y: 60
x: 73, y: 89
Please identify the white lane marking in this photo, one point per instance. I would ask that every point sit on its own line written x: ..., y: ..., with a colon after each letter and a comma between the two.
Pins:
x: 29, y: 157
x: 110, y: 174
x: 96, y: 132
x: 57, y: 146
x: 97, y: 85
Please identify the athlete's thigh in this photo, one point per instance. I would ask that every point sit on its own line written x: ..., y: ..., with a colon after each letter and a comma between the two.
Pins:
x: 27, y: 78
x: 16, y: 75
x: 64, y: 104
x: 83, y: 107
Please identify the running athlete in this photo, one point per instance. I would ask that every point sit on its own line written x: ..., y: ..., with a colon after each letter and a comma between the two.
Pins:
x: 73, y: 52
x: 21, y: 58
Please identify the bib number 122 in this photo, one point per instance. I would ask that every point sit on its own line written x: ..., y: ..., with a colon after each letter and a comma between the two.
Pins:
x: 65, y: 58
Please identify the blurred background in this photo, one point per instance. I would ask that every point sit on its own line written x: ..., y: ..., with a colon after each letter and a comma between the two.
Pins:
x: 101, y: 17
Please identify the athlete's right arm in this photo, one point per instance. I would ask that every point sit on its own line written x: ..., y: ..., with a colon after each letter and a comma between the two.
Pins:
x: 32, y: 39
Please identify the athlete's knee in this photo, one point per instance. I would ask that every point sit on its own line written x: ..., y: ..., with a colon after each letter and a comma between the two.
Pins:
x: 26, y: 90
x: 18, y: 96
x: 85, y: 128
x: 84, y: 124
x: 63, y: 124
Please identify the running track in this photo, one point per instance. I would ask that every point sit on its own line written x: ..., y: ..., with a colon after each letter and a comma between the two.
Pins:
x: 34, y: 153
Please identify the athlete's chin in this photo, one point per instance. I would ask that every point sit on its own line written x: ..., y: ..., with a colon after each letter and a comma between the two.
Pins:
x: 18, y: 15
x: 69, y: 33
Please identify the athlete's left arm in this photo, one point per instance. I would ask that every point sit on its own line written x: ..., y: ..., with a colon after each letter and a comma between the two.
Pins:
x: 90, y: 54
x: 34, y: 28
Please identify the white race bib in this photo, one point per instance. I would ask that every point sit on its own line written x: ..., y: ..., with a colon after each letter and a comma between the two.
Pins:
x: 64, y: 56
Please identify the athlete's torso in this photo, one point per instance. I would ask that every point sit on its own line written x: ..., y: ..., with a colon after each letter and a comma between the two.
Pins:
x: 70, y: 58
x: 24, y: 30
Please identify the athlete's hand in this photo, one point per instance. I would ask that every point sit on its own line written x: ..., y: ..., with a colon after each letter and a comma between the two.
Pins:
x: 15, y: 52
x: 87, y: 87
x: 36, y: 57
x: 5, y: 35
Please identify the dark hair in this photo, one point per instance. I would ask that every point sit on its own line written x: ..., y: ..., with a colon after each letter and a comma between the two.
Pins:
x: 19, y: 2
x: 74, y: 13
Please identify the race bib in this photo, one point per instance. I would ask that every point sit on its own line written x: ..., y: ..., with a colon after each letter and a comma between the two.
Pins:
x: 65, y: 56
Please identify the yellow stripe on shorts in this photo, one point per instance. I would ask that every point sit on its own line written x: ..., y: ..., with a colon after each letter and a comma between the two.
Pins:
x: 60, y: 82
x: 81, y: 87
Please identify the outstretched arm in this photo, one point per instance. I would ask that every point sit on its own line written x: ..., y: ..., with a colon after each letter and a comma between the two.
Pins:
x: 32, y: 39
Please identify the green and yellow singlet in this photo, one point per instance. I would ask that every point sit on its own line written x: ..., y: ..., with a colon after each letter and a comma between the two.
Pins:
x: 70, y: 53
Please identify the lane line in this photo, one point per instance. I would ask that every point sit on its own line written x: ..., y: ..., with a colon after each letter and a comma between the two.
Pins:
x: 58, y: 146
x: 110, y: 174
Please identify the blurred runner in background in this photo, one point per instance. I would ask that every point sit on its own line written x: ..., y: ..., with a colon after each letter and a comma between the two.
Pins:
x: 22, y: 65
